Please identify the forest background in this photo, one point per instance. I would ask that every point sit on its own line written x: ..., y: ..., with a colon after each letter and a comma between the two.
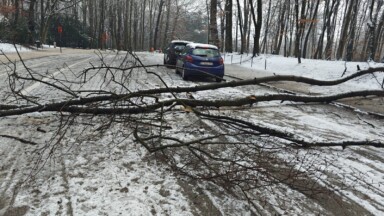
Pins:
x: 349, y: 30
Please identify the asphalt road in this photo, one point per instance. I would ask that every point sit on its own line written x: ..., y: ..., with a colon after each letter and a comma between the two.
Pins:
x: 71, y: 182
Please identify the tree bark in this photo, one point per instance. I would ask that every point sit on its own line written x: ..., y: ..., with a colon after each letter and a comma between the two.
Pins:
x: 345, y: 28
x: 228, y: 26
x: 311, y: 24
x: 158, y: 24
x: 239, y: 16
x: 214, y: 33
x: 258, y: 23
x: 31, y: 22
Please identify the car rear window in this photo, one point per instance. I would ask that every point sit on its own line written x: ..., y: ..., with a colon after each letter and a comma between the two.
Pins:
x: 179, y: 46
x: 206, y: 52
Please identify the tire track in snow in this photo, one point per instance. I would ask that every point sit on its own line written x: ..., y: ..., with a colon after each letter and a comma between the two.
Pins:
x: 38, y: 84
x: 4, y: 72
x: 12, y: 183
x: 67, y: 196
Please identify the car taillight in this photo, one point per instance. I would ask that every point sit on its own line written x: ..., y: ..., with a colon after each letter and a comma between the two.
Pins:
x: 188, y: 58
x: 221, y: 61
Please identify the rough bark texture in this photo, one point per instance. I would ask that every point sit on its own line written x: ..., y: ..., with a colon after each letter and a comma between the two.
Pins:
x: 228, y: 26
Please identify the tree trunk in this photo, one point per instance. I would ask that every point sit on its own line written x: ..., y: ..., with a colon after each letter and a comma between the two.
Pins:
x: 344, y: 32
x: 126, y: 25
x: 239, y: 16
x: 222, y: 26
x: 157, y: 24
x: 305, y: 47
x: 175, y: 20
x: 258, y: 23
x: 31, y: 22
x: 331, y: 30
x: 282, y: 30
x: 167, y: 20
x: 143, y: 32
x: 214, y: 33
x: 17, y: 13
x: 299, y: 28
x: 102, y: 33
x: 352, y: 30
x: 245, y: 26
x: 135, y: 31
x: 264, y: 49
x: 228, y: 26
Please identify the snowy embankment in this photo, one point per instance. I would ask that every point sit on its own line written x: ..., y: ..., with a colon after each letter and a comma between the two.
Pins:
x: 6, y: 48
x: 311, y: 68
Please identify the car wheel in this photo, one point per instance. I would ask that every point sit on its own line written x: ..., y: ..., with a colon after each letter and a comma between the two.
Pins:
x: 166, y: 62
x: 183, y: 75
x: 176, y: 70
x: 219, y: 79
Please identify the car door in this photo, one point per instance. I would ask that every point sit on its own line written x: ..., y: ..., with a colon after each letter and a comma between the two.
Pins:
x: 181, y: 57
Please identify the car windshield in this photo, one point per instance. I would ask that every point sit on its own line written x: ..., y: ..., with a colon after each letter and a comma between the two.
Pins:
x: 206, y: 52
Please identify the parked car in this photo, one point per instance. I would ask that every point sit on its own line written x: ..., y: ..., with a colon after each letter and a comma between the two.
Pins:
x: 173, y: 50
x: 200, y: 60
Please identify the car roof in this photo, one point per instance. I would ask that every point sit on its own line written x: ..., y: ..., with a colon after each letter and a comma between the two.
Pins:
x: 201, y: 45
x: 181, y: 41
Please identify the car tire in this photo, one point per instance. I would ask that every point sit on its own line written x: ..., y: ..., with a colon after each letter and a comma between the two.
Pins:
x: 176, y: 70
x: 166, y: 62
x: 183, y: 75
x: 219, y: 79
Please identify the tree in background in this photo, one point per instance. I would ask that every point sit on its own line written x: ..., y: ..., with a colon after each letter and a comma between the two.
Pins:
x: 214, y: 34
x: 257, y: 24
x: 329, y: 29
x: 228, y: 26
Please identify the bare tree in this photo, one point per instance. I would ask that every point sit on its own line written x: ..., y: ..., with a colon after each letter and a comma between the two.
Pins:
x: 158, y: 23
x: 228, y: 26
x: 214, y: 33
x: 257, y: 24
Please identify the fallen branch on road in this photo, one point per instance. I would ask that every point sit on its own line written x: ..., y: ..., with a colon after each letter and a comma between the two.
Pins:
x: 106, y: 105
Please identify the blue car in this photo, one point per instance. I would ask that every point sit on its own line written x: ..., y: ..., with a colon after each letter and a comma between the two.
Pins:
x: 200, y: 60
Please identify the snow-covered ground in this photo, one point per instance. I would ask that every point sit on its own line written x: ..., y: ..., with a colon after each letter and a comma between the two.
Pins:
x: 269, y: 65
x: 6, y: 48
x: 96, y: 172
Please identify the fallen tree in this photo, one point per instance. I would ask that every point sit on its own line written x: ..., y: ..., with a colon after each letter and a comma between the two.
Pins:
x: 240, y: 155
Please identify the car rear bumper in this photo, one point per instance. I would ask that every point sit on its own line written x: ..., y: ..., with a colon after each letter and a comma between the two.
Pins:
x: 196, y: 71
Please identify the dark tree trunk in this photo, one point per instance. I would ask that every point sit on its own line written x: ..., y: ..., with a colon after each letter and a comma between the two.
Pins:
x: 167, y: 20
x: 240, y: 27
x: 256, y: 37
x: 305, y: 47
x: 345, y: 28
x: 299, y: 27
x: 282, y: 30
x: 351, y: 44
x: 143, y: 33
x: 245, y: 26
x: 214, y: 33
x: 331, y: 30
x: 31, y: 22
x: 265, y: 44
x: 135, y: 41
x: 158, y: 24
x: 222, y: 27
x: 228, y: 26
x: 102, y: 33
